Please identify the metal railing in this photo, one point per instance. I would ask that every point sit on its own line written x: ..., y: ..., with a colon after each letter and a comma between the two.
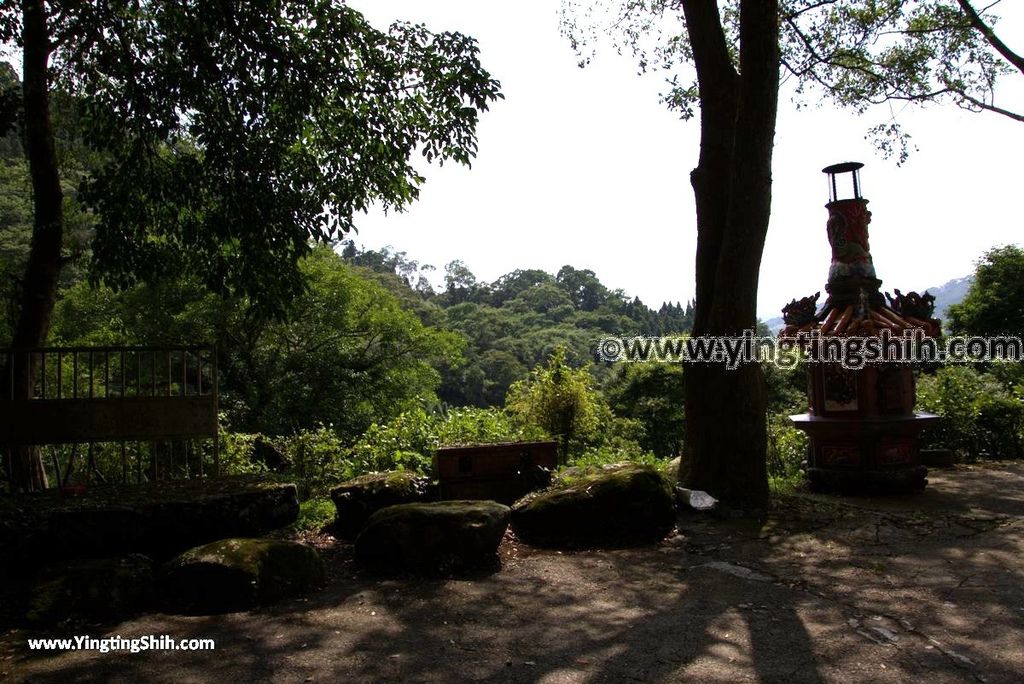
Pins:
x: 118, y: 372
x: 113, y: 395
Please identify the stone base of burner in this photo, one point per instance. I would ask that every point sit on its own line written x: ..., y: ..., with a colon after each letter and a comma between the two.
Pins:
x: 879, y: 453
x: 890, y: 480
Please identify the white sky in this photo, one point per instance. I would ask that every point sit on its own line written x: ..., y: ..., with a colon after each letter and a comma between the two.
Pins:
x: 585, y: 167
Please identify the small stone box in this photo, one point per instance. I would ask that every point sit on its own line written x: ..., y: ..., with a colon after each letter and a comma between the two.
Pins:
x: 498, y: 472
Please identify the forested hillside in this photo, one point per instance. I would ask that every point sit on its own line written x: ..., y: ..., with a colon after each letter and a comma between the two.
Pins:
x: 368, y: 339
x: 517, y: 321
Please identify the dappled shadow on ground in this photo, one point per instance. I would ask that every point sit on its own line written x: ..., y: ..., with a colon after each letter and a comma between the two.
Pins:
x: 995, y: 488
x: 819, y: 591
x: 622, y: 615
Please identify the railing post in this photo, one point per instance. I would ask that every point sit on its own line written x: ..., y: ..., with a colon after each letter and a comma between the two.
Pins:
x: 216, y: 412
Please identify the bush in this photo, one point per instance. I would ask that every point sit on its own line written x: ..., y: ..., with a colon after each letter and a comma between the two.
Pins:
x: 317, y: 459
x: 561, y: 400
x: 238, y: 453
x: 403, y: 443
x: 787, y: 449
x: 652, y: 394
x: 409, y: 441
x: 979, y: 416
x: 314, y: 514
x: 483, y: 426
x: 607, y: 455
x: 1000, y: 426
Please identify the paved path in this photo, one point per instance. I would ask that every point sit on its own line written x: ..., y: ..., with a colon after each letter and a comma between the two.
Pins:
x: 924, y: 587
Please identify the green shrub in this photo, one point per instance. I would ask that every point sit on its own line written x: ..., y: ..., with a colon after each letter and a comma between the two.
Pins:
x: 409, y: 441
x: 606, y: 455
x: 1000, y: 426
x: 561, y: 400
x: 483, y: 426
x: 652, y: 395
x: 403, y: 443
x: 787, y: 449
x: 314, y: 514
x: 979, y: 416
x: 317, y: 459
x: 238, y: 453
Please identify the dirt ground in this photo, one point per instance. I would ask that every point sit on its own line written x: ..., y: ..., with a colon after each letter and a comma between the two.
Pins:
x: 919, y: 587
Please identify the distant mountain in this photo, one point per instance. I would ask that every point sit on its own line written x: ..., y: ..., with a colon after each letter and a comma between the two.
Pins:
x: 951, y: 292
x: 775, y: 324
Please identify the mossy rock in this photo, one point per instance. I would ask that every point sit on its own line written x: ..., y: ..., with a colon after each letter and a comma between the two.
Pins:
x: 626, y: 506
x: 434, y: 538
x: 358, y: 499
x: 572, y: 474
x: 94, y: 589
x: 235, y: 574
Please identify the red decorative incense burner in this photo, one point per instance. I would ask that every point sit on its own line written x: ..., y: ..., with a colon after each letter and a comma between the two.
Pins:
x: 861, y: 421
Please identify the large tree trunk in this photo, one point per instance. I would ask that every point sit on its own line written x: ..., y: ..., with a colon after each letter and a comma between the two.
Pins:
x: 725, y: 409
x: 39, y: 286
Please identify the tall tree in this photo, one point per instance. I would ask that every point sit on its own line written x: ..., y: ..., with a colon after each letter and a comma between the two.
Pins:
x: 731, y: 54
x: 39, y: 285
x: 725, y: 426
x: 233, y: 133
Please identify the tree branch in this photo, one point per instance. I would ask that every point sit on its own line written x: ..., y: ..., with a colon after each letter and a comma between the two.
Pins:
x: 809, y: 8
x: 710, y: 50
x: 978, y: 23
x: 988, y: 107
x: 718, y: 85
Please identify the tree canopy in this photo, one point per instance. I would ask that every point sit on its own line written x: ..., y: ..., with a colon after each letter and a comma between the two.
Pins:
x: 993, y: 304
x: 346, y: 354
x: 854, y: 53
x: 224, y: 138
x: 234, y: 133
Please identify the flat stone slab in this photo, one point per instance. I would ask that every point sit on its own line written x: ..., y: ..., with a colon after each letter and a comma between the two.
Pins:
x: 235, y: 574
x: 440, y: 537
x: 159, y: 519
x: 694, y: 499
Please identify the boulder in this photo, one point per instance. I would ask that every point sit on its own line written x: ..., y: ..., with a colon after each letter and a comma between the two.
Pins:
x: 625, y: 506
x: 358, y: 499
x: 94, y: 589
x: 441, y: 537
x: 235, y: 574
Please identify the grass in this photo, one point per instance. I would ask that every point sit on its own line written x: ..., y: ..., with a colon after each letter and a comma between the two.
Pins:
x: 314, y: 514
